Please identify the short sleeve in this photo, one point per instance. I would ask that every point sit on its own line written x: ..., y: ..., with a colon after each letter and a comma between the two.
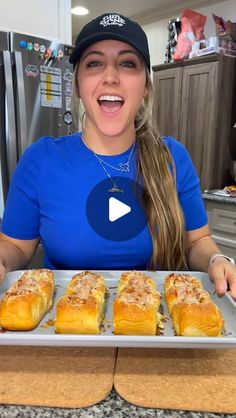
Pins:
x: 21, y: 215
x: 188, y: 186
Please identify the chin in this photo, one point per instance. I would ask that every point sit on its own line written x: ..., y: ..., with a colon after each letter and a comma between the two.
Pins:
x: 112, y: 133
x: 113, y: 129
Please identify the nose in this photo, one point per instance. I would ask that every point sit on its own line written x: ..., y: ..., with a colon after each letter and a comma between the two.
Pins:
x: 111, y: 75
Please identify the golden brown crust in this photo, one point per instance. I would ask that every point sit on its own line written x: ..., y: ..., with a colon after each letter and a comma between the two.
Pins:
x: 179, y: 279
x: 136, y: 305
x: 81, y: 309
x: 192, y: 310
x: 27, y: 300
x: 136, y: 278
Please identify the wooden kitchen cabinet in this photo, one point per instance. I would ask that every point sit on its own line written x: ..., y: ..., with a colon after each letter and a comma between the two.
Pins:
x: 167, y: 98
x: 222, y: 221
x: 195, y: 102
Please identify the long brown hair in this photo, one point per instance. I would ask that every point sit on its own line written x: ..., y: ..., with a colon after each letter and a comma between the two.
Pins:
x: 157, y: 170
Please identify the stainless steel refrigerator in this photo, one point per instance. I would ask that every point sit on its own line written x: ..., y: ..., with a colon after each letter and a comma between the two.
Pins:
x: 35, y: 97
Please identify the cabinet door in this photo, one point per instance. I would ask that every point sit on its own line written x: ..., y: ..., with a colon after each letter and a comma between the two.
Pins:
x: 198, y: 117
x: 167, y: 94
x: 222, y: 222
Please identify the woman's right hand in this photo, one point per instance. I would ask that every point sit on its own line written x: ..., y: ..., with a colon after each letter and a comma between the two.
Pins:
x: 2, y: 272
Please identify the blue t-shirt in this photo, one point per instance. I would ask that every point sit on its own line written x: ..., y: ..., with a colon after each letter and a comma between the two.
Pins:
x: 47, y: 199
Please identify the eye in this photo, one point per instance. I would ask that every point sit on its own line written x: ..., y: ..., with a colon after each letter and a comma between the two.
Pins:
x: 93, y: 63
x: 128, y: 64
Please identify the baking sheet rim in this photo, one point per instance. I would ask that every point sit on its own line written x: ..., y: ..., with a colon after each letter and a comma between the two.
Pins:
x: 158, y: 341
x: 58, y: 340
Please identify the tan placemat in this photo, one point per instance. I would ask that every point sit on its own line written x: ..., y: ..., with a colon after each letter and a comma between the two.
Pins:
x: 197, y: 380
x: 47, y: 376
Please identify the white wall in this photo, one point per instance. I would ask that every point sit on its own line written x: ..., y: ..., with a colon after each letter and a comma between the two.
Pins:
x: 43, y: 18
x: 157, y: 32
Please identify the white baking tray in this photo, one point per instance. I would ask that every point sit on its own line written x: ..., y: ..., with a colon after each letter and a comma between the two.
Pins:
x: 44, y: 334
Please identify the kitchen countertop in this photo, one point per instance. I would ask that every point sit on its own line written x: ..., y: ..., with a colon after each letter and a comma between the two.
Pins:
x: 113, y: 407
x: 216, y: 198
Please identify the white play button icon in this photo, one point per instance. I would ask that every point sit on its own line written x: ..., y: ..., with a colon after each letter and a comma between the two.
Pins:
x: 117, y: 209
x: 113, y: 216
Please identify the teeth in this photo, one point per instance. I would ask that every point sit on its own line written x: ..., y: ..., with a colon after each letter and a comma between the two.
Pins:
x: 111, y: 98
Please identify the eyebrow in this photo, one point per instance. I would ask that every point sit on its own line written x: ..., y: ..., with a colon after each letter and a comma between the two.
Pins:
x: 121, y: 52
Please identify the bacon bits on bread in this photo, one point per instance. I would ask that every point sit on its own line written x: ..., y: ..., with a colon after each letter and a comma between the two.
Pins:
x: 192, y: 310
x: 81, y: 309
x: 28, y: 299
x: 136, y: 305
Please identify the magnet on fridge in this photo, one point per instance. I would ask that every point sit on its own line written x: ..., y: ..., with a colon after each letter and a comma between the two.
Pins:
x: 68, y: 103
x: 68, y: 89
x: 55, y: 53
x: 31, y: 70
x: 67, y: 75
x: 36, y: 47
x: 60, y: 54
x: 23, y: 44
x: 42, y: 49
x: 49, y: 52
x: 29, y: 46
x: 67, y: 117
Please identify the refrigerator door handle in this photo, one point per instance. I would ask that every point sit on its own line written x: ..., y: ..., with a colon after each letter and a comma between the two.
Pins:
x: 11, y: 145
x: 22, y: 137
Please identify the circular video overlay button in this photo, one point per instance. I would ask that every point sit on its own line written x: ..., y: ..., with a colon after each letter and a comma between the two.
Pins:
x: 115, y: 213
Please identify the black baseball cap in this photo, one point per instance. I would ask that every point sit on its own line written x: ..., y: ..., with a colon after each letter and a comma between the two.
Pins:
x: 111, y: 26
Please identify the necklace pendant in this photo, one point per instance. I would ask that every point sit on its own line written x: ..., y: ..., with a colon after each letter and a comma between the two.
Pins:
x: 124, y: 167
x: 115, y: 189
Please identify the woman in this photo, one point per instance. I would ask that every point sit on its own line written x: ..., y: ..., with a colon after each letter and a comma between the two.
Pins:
x: 50, y: 196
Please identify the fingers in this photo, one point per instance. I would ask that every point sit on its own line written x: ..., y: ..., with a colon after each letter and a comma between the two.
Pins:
x: 232, y: 285
x: 223, y: 274
x: 217, y: 275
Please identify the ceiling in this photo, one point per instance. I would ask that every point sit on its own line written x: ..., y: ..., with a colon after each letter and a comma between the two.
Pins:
x: 144, y: 11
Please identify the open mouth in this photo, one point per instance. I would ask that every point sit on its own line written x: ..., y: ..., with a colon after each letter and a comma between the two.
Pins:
x: 110, y: 103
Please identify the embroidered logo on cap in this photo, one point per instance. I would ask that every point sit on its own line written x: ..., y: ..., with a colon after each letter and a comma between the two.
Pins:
x: 112, y: 20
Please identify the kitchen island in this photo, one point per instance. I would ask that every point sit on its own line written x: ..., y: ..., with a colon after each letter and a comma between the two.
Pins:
x: 113, y: 407
x: 219, y: 198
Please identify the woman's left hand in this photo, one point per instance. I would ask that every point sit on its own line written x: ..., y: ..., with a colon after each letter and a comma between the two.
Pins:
x: 223, y: 274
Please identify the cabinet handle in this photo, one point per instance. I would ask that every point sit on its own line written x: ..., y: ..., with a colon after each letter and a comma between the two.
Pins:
x: 234, y: 126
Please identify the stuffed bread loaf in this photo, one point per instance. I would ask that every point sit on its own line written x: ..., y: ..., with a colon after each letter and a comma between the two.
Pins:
x: 81, y: 309
x: 27, y: 300
x: 136, y: 305
x: 192, y: 310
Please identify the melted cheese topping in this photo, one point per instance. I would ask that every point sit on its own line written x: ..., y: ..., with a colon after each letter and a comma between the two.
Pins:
x: 184, y: 280
x: 190, y: 294
x: 187, y: 289
x: 85, y: 285
x: 138, y: 289
x: 139, y: 296
x: 134, y: 278
x: 30, y: 282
